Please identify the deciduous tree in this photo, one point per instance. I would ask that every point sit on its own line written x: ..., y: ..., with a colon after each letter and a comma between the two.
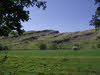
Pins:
x: 96, y: 18
x: 12, y: 12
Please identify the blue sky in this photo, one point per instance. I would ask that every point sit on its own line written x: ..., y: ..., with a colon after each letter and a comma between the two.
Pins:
x: 62, y: 15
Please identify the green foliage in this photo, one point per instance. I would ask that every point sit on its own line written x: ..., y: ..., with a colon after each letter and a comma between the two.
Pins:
x: 76, y: 46
x: 98, y: 41
x: 2, y: 47
x: 98, y: 45
x: 12, y: 12
x: 13, y: 33
x: 5, y: 48
x: 43, y: 46
x: 54, y: 46
x: 96, y: 29
x: 98, y: 38
x: 95, y: 18
x: 93, y: 47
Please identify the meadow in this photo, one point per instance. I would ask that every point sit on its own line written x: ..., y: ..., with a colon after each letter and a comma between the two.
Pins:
x: 50, y: 62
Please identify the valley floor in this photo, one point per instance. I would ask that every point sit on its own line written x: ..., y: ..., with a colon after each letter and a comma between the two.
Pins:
x: 50, y: 62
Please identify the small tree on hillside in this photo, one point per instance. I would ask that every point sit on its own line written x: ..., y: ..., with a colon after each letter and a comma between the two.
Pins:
x: 43, y: 46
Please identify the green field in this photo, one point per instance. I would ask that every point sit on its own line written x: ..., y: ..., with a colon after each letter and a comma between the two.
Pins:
x: 50, y: 62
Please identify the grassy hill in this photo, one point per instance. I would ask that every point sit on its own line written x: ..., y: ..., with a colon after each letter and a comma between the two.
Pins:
x: 32, y: 39
x: 51, y: 62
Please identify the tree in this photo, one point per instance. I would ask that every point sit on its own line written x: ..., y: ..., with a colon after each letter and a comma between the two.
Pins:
x: 96, y: 18
x: 43, y: 46
x: 12, y: 12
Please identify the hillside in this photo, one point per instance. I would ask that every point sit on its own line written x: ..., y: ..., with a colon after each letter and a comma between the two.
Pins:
x: 32, y: 39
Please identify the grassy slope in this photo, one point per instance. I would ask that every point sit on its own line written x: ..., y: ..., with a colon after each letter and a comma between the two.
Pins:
x: 57, y: 62
x: 32, y: 39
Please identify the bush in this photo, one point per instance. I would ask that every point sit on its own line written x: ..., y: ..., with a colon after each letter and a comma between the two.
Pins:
x: 43, y: 47
x: 54, y: 46
x: 98, y: 38
x: 76, y: 46
x: 93, y: 47
x: 3, y: 47
x: 98, y: 45
x: 96, y: 29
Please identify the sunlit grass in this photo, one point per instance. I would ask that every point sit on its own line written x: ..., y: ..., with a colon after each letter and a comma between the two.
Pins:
x: 51, y: 62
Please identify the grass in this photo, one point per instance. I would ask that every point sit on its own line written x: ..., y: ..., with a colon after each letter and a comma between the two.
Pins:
x: 55, y: 53
x: 86, y: 39
x: 51, y: 62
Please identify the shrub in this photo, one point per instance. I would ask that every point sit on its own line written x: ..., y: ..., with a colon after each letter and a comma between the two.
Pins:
x: 98, y: 45
x: 14, y: 33
x: 76, y: 46
x: 98, y: 38
x: 5, y: 50
x: 93, y: 47
x: 3, y: 47
x: 43, y: 47
x: 96, y: 29
x: 54, y: 46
